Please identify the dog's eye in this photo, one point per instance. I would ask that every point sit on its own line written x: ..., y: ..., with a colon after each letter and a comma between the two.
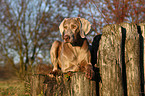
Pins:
x: 73, y: 26
x: 65, y: 27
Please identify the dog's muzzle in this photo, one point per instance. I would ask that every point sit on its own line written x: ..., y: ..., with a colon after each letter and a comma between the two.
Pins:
x: 66, y: 38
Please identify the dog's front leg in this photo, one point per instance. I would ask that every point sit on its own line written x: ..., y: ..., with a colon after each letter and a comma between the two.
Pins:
x: 54, y: 55
x: 89, y: 73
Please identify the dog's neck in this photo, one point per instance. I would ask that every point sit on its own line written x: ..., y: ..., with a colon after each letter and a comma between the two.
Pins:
x: 79, y: 42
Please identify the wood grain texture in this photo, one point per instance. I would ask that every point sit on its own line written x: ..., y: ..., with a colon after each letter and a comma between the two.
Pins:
x: 109, y: 61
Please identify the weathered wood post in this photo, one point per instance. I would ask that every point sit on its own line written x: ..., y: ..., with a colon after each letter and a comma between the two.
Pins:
x: 142, y: 25
x: 37, y: 84
x: 78, y: 85
x: 119, y: 60
x: 132, y: 59
x: 75, y: 85
x: 141, y: 29
x: 110, y: 61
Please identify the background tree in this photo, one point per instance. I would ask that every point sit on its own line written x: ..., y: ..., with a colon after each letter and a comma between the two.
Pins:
x: 26, y: 30
x: 116, y: 11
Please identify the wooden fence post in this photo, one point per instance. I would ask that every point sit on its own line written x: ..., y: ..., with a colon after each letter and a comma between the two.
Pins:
x: 75, y: 85
x: 142, y: 27
x: 81, y: 86
x: 37, y: 84
x: 110, y: 61
x: 132, y: 59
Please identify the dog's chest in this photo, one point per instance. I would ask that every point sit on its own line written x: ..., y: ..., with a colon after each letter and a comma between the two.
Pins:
x: 71, y: 53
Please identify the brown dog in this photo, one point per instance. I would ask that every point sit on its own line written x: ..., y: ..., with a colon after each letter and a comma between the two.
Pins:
x: 73, y: 54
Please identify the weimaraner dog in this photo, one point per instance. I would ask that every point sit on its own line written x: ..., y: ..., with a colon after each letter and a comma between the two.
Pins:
x: 73, y: 53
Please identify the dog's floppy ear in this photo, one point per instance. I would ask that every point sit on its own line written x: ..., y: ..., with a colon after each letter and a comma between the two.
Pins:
x: 61, y: 28
x: 85, y: 27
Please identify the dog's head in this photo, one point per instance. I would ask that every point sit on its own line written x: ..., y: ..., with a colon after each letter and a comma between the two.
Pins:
x: 72, y: 29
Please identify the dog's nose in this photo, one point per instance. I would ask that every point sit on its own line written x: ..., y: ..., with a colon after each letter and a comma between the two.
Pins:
x: 66, y: 38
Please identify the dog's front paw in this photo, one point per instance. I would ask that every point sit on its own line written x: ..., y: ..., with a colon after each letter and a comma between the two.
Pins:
x: 55, y: 72
x: 89, y: 73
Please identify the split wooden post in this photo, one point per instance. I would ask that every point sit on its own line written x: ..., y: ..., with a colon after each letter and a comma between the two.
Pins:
x: 132, y: 59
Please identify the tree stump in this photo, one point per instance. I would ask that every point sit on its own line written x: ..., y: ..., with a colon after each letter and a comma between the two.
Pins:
x: 110, y: 61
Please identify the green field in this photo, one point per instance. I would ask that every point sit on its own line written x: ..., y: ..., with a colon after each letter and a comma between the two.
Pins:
x: 12, y: 87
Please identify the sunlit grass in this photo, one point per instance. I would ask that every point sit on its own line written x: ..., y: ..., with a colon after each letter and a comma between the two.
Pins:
x: 12, y: 88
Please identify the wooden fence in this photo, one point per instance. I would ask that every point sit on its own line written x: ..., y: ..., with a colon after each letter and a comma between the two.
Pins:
x: 120, y: 61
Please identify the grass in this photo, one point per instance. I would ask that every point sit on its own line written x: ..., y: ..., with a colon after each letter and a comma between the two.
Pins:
x: 12, y: 87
